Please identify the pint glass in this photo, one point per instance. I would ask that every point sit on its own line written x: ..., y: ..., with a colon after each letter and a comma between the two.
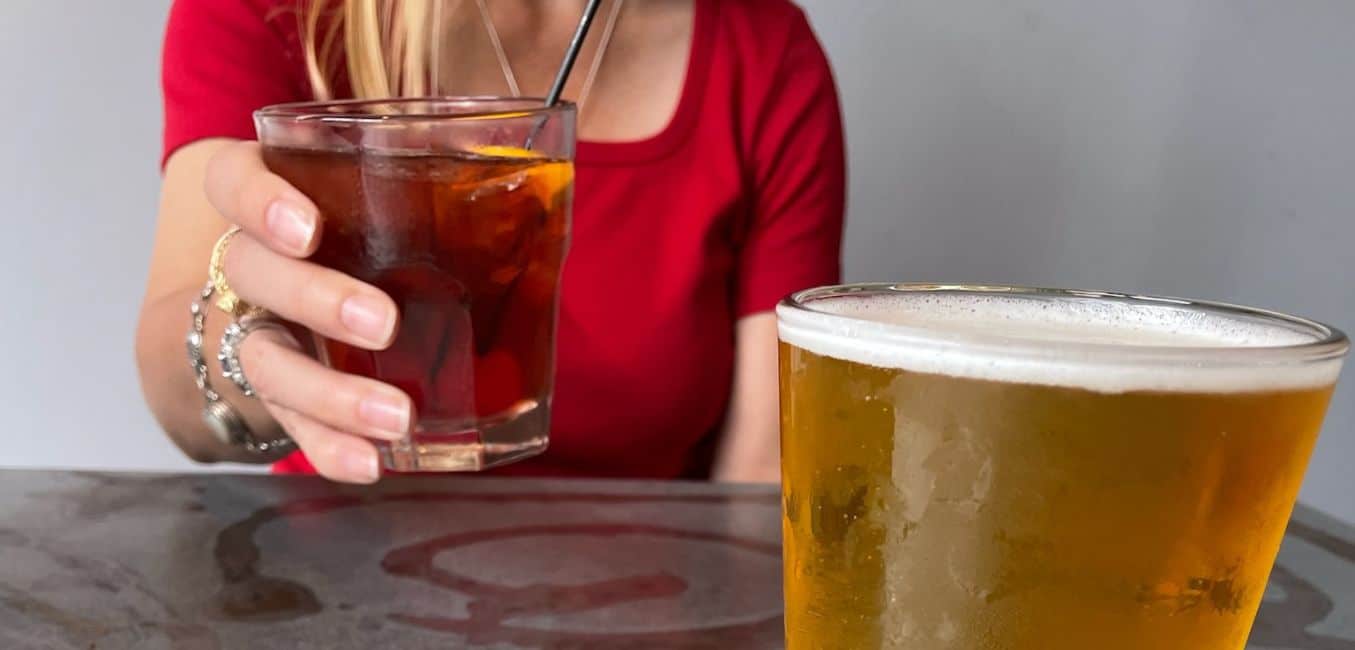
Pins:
x: 972, y: 468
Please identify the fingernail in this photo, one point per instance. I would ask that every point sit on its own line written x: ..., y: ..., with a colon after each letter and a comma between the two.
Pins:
x: 389, y: 414
x: 361, y: 466
x: 292, y: 225
x: 366, y: 317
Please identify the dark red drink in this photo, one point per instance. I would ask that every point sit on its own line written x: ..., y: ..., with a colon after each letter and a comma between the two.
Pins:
x: 469, y: 245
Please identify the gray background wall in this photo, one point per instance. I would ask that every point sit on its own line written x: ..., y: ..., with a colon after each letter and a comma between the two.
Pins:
x: 1202, y: 148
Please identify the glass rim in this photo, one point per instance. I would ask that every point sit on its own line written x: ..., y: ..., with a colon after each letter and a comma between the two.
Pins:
x: 1329, y: 343
x: 350, y: 111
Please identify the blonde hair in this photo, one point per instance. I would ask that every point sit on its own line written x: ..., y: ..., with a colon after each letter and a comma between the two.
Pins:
x: 390, y: 47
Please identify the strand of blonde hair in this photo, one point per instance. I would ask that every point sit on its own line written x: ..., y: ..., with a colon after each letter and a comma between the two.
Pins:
x: 389, y: 46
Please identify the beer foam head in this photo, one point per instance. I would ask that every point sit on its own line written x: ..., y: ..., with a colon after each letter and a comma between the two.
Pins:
x: 1106, y: 345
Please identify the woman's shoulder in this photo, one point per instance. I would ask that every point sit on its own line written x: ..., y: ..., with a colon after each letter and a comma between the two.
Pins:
x: 200, y: 31
x: 277, y: 19
x: 763, y: 34
x: 776, y: 10
x: 765, y: 22
x: 221, y: 60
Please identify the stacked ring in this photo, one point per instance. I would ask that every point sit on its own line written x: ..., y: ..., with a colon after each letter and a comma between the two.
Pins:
x: 229, y: 352
x: 226, y: 300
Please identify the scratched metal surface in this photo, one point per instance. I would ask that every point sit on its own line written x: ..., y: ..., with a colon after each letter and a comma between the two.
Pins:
x: 128, y: 561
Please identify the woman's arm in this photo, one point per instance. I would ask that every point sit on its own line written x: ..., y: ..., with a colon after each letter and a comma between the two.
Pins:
x: 221, y: 61
x: 798, y: 183
x: 185, y: 231
x: 750, y: 447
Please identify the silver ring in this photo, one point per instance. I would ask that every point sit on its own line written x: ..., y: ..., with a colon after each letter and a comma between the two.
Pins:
x: 231, y: 340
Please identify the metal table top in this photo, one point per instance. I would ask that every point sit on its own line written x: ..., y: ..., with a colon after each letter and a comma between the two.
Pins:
x: 223, y: 561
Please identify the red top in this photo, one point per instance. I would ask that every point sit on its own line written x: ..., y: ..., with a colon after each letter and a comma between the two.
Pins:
x: 736, y: 203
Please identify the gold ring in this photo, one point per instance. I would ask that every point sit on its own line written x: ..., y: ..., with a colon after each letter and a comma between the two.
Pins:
x: 226, y: 300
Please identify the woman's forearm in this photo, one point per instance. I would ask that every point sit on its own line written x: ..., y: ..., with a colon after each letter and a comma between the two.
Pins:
x: 168, y: 383
x: 750, y: 450
x: 750, y: 454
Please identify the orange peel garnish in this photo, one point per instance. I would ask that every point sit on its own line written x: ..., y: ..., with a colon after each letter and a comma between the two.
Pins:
x: 548, y: 179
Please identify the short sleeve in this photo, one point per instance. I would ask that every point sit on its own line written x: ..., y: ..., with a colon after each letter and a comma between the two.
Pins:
x: 222, y: 60
x: 798, y: 175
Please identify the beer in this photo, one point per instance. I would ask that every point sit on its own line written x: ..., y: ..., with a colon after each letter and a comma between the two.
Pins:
x: 980, y: 470
x: 467, y: 238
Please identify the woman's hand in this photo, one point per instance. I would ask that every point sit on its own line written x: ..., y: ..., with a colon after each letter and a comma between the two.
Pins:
x: 332, y: 416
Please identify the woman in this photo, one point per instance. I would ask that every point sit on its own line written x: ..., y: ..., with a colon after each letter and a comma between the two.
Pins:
x: 709, y: 183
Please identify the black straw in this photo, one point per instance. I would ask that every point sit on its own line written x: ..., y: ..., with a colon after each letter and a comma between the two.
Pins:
x: 572, y: 54
x: 567, y: 65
